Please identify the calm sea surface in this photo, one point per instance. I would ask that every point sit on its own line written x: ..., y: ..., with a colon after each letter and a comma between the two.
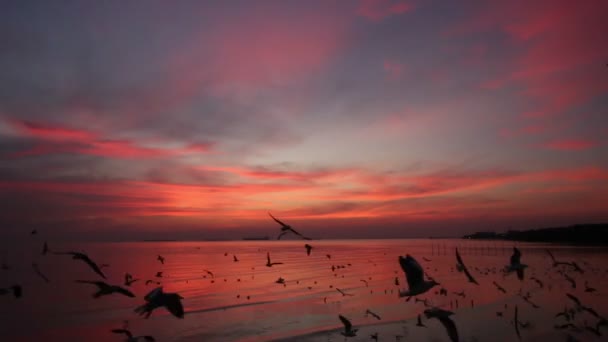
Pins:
x: 243, y: 303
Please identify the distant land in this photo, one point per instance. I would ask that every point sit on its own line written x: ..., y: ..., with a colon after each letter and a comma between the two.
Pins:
x: 580, y: 234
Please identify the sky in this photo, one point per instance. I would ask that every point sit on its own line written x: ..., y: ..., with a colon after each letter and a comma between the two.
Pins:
x: 362, y: 118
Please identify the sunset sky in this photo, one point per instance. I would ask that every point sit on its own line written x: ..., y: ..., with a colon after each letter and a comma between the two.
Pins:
x: 377, y: 118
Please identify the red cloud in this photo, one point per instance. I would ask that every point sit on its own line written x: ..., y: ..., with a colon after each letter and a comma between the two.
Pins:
x: 52, y: 139
x: 376, y: 10
x: 570, y: 145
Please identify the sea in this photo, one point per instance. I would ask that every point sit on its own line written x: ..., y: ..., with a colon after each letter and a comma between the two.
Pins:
x: 242, y: 301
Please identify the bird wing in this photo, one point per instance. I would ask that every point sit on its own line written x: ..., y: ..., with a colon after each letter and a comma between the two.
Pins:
x: 413, y: 271
x: 464, y: 268
x: 574, y: 299
x: 450, y: 327
x: 123, y: 291
x: 551, y: 255
x: 278, y: 221
x: 174, y: 305
x: 93, y: 266
x: 99, y: 284
x: 123, y: 331
x: 347, y: 324
x: 281, y: 235
x: 153, y: 294
x: 516, y: 257
x: 268, y: 257
x: 516, y: 323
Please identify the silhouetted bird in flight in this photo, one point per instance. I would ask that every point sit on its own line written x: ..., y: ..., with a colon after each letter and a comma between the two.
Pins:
x: 105, y: 289
x: 463, y: 267
x: 129, y: 279
x: 157, y: 298
x: 209, y: 273
x: 39, y: 273
x: 161, y: 259
x: 34, y: 232
x: 444, y: 317
x: 370, y: 312
x: 234, y: 258
x: 348, y: 327
x: 500, y: 288
x: 15, y: 289
x: 415, y: 277
x: 270, y: 264
x: 344, y: 293
x: 286, y: 229
x: 86, y: 259
x: 308, y: 248
x: 516, y: 264
x: 131, y: 338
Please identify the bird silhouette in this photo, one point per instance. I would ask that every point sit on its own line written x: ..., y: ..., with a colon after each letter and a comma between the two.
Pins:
x: 464, y: 268
x: 444, y: 318
x: 270, y: 264
x: 85, y: 258
x: 105, y: 289
x: 157, y: 298
x: 348, y: 327
x: 285, y: 228
x: 415, y: 277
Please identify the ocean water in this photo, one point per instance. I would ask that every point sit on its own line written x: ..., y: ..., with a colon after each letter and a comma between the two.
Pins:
x: 242, y: 302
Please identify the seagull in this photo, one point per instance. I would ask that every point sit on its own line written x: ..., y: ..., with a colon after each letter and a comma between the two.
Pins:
x: 540, y: 283
x: 516, y: 323
x: 444, y: 317
x: 148, y: 282
x: 234, y: 258
x: 159, y: 274
x: 106, y: 289
x: 131, y: 338
x: 370, y: 312
x: 460, y: 294
x: 516, y: 264
x: 86, y: 259
x: 286, y: 229
x: 396, y: 281
x: 348, y: 327
x: 365, y: 281
x: 270, y: 264
x: 570, y: 280
x: 34, y: 232
x: 308, y: 248
x: 209, y: 273
x: 15, y: 289
x: 464, y: 268
x: 344, y: 293
x: 280, y: 281
x: 39, y: 273
x: 419, y: 323
x: 328, y: 256
x: 415, y: 277
x: 129, y: 279
x: 500, y: 288
x: 45, y: 248
x: 374, y: 336
x: 426, y: 259
x: 157, y: 298
x: 161, y: 259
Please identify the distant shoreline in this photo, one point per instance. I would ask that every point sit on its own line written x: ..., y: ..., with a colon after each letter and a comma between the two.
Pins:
x: 580, y: 234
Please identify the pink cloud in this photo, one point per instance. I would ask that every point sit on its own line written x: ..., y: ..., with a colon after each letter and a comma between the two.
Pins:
x: 570, y: 145
x: 376, y: 10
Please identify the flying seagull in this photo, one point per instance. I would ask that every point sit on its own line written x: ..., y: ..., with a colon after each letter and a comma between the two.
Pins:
x: 129, y: 279
x: 131, y: 338
x: 157, y: 298
x: 234, y: 258
x: 161, y: 259
x: 415, y: 277
x: 308, y: 248
x: 285, y: 228
x: 105, y: 289
x: 370, y: 312
x: 500, y: 288
x: 516, y: 264
x: 348, y: 327
x: 209, y: 273
x: 86, y: 259
x: 365, y: 281
x: 444, y: 317
x: 270, y: 264
x: 15, y: 289
x: 464, y: 268
x: 39, y: 273
x: 344, y: 293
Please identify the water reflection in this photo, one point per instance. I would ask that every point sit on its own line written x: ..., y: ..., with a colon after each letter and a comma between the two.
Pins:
x: 243, y: 302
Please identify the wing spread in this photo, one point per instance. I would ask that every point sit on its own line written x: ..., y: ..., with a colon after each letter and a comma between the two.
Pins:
x: 93, y: 266
x: 412, y: 269
x: 154, y: 293
x: 450, y: 327
x: 516, y: 257
x: 123, y: 291
x: 174, y: 305
x: 278, y: 221
x: 347, y: 325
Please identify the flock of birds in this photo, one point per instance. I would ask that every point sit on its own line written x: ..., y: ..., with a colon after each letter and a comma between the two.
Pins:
x: 418, y: 283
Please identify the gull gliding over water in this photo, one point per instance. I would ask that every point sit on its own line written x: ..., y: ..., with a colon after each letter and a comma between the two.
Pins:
x: 285, y: 228
x: 157, y: 298
x: 348, y: 327
x: 86, y: 259
x: 106, y: 289
x: 270, y: 264
x: 415, y: 277
x: 444, y: 317
x: 131, y: 338
x: 464, y: 269
x: 516, y: 264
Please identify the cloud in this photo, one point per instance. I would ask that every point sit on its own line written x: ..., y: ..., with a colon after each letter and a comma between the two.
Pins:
x: 376, y: 10
x: 570, y: 145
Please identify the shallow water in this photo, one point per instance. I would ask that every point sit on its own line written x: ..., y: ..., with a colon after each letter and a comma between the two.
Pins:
x: 307, y: 307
